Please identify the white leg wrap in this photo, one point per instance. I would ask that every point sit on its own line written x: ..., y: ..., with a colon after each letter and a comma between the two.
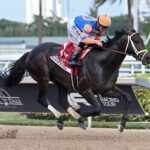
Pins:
x: 54, y: 111
x: 73, y: 113
x: 76, y: 107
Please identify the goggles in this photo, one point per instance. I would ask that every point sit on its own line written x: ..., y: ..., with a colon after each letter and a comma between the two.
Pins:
x: 104, y: 27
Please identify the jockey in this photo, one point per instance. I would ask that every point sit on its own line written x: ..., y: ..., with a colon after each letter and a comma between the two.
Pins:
x: 79, y: 30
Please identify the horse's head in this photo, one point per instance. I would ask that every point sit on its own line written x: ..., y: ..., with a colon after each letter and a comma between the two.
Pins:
x: 134, y: 46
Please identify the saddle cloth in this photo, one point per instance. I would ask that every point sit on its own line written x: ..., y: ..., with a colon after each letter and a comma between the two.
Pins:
x: 64, y: 55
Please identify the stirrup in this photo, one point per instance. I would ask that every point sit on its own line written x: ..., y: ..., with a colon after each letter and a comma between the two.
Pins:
x: 74, y: 64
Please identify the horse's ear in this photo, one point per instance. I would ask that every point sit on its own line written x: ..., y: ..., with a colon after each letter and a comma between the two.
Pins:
x: 133, y: 30
x: 118, y: 32
x: 121, y: 32
x: 124, y: 31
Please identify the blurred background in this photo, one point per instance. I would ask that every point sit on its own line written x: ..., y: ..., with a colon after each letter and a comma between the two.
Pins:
x: 26, y: 23
x: 46, y: 19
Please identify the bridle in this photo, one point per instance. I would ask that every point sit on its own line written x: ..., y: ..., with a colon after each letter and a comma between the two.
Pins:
x: 144, y: 51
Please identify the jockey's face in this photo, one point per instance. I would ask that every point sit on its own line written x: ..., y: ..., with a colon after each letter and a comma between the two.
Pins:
x: 102, y: 28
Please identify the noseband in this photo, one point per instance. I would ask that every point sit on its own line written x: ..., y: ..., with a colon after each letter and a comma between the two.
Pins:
x: 144, y: 51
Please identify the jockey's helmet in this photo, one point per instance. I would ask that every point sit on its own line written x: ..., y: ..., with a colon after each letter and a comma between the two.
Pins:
x: 104, y: 21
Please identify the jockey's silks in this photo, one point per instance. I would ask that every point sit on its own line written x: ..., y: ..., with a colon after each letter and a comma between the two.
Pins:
x: 81, y: 21
x: 88, y: 25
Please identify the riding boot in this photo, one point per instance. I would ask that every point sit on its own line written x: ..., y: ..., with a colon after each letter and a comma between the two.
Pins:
x: 74, y: 58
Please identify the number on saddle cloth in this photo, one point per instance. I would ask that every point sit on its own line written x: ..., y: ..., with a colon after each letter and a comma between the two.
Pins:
x: 66, y: 50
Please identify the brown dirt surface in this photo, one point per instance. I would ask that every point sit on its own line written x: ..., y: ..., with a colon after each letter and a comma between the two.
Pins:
x: 50, y: 138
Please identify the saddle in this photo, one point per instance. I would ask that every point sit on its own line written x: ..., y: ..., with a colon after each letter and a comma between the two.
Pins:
x: 64, y: 55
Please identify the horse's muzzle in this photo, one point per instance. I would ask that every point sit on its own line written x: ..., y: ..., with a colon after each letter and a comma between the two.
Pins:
x: 146, y: 59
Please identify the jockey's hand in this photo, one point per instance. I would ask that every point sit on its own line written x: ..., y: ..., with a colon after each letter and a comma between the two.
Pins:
x: 99, y: 43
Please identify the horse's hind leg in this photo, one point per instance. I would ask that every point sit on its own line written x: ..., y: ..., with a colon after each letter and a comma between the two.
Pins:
x: 42, y: 97
x: 41, y: 75
x: 44, y: 101
x: 66, y: 106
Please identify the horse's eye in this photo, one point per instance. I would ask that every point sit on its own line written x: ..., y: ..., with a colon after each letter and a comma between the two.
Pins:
x: 136, y: 40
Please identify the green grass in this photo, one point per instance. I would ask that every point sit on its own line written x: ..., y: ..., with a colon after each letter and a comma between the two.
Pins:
x: 129, y: 125
x: 15, y: 118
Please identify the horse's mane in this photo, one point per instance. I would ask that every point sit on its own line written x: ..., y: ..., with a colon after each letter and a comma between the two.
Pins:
x: 118, y: 34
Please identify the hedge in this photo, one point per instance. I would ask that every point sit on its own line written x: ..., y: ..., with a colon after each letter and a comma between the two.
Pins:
x: 143, y: 95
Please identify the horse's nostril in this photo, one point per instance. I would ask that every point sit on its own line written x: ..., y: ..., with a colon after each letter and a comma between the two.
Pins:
x: 148, y: 60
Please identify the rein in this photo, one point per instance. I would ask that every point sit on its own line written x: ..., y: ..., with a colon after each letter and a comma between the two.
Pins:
x: 122, y: 53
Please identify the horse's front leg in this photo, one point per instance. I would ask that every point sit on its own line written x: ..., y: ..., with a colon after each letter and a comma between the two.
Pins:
x: 116, y: 92
x: 63, y: 102
x: 90, y: 97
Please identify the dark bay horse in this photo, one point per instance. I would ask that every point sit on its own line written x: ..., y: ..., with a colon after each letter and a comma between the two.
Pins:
x: 97, y: 75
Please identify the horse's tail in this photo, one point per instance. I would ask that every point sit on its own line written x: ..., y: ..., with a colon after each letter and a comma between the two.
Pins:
x: 16, y: 72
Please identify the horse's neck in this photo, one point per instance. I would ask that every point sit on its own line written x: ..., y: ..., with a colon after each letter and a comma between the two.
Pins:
x: 109, y: 60
x: 114, y: 57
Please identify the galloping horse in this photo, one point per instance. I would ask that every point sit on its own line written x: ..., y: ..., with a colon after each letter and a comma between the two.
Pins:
x: 97, y: 75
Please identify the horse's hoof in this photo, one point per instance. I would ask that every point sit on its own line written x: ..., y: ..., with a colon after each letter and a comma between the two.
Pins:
x: 60, y: 126
x: 60, y: 123
x: 120, y: 127
x: 81, y: 124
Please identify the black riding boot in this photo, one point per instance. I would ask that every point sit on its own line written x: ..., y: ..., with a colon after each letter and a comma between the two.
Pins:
x: 74, y: 58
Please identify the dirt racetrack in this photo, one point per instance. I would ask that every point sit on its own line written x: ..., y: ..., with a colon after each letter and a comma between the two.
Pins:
x: 50, y: 138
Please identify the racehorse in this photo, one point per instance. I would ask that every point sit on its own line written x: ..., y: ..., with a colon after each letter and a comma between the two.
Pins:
x: 97, y: 75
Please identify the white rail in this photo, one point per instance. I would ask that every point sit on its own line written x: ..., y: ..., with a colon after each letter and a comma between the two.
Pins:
x: 129, y: 66
x: 4, y: 51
